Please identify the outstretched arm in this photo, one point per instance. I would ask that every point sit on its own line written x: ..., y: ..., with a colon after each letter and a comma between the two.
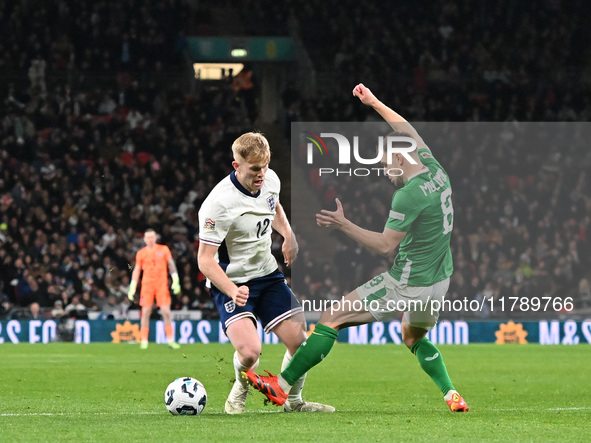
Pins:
x: 395, y: 120
x: 383, y: 243
x: 290, y: 245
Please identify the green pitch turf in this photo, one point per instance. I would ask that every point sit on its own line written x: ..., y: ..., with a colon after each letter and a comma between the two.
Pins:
x: 115, y: 392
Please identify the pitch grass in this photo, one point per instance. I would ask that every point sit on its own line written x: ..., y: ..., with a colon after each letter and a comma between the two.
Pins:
x: 115, y: 392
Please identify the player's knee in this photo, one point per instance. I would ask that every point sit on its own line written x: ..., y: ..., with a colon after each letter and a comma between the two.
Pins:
x: 293, y: 347
x: 249, y: 355
x: 249, y: 359
x: 410, y: 338
x: 409, y: 341
x: 146, y: 313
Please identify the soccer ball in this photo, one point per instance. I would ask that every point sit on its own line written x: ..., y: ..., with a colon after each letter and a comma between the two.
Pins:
x: 185, y: 396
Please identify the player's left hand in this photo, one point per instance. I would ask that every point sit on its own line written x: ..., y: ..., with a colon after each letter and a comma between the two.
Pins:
x: 332, y: 219
x: 176, y: 285
x: 365, y: 95
x: 290, y: 250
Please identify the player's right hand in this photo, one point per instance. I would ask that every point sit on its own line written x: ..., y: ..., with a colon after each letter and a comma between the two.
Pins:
x: 241, y: 295
x: 364, y: 94
x: 332, y: 219
x: 131, y: 292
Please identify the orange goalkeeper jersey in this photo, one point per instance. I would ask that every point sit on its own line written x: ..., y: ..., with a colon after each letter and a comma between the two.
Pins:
x: 153, y: 261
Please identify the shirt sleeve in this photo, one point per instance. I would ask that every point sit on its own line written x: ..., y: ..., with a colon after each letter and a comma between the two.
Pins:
x: 426, y: 157
x: 404, y: 212
x: 274, y: 181
x: 167, y: 253
x: 138, y: 259
x: 214, y: 223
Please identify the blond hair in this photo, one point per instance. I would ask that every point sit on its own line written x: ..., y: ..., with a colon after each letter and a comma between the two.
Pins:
x: 252, y: 147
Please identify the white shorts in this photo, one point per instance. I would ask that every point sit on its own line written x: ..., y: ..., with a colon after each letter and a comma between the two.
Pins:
x: 384, y: 297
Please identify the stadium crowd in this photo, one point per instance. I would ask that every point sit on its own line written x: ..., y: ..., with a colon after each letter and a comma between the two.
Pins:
x: 446, y: 61
x: 86, y: 165
x: 99, y: 140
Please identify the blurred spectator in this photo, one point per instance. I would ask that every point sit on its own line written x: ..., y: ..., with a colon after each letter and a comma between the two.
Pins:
x: 75, y: 306
x: 58, y: 309
x: 584, y: 293
x: 35, y: 312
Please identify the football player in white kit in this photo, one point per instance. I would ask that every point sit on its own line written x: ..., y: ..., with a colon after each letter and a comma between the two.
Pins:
x: 241, y: 211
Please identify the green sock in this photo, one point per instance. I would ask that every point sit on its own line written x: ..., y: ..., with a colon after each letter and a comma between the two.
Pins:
x: 310, y: 353
x: 431, y: 361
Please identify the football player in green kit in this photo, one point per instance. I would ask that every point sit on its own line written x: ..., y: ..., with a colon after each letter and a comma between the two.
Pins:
x: 420, y: 222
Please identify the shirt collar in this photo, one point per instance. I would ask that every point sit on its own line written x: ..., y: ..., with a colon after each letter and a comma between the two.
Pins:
x: 242, y: 188
x: 422, y: 171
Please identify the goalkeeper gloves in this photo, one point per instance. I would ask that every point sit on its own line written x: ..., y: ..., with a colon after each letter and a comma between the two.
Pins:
x: 176, y: 286
x: 132, y: 288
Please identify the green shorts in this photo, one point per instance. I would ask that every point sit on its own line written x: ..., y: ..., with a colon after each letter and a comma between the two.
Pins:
x: 385, y: 298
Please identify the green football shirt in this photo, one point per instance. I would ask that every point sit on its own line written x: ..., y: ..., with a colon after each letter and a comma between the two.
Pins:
x: 423, y: 209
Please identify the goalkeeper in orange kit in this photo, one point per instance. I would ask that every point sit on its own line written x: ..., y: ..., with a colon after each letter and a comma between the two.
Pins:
x: 155, y: 260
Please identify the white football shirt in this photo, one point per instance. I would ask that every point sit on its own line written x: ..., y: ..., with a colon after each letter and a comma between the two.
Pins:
x: 243, y: 220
